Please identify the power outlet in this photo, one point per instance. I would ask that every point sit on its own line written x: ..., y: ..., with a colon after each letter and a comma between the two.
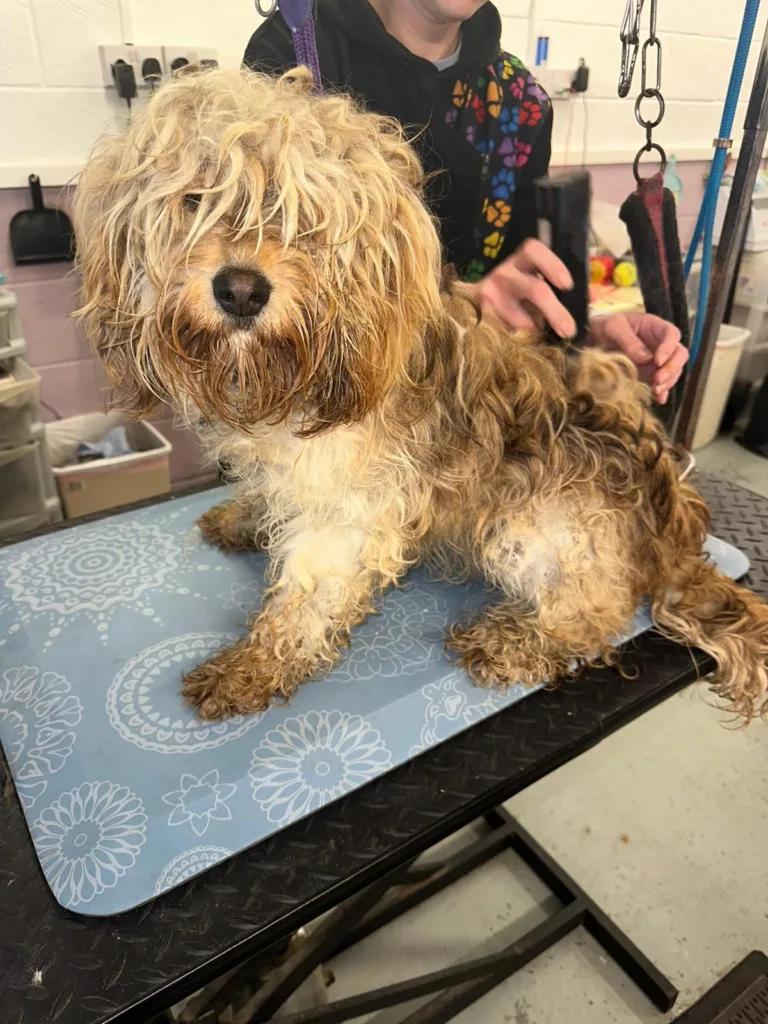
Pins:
x: 180, y: 56
x: 134, y: 55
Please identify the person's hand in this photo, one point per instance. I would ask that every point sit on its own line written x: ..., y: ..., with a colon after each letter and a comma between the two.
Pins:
x: 517, y: 290
x: 651, y: 343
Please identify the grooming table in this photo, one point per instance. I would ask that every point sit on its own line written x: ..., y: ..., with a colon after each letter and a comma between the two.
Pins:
x: 59, y: 966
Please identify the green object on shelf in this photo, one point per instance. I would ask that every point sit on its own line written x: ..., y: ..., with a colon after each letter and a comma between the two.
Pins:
x: 672, y: 180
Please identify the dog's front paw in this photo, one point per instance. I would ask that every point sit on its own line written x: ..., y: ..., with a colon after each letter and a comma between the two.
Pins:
x: 227, y: 684
x: 227, y: 526
x: 240, y: 680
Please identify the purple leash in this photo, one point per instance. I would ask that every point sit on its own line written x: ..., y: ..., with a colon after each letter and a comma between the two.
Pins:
x: 299, y: 16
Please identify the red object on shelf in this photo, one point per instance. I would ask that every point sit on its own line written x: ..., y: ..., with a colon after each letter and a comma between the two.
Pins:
x: 601, y: 268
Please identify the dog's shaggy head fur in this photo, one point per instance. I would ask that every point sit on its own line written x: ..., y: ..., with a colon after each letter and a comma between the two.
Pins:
x: 232, y: 171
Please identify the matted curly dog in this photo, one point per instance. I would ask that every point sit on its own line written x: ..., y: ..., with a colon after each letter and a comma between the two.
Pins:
x: 262, y: 258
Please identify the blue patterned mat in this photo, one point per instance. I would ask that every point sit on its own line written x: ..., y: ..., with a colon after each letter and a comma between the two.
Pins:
x: 125, y: 791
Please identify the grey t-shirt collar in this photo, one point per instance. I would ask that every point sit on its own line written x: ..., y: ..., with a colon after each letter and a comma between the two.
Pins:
x: 448, y: 62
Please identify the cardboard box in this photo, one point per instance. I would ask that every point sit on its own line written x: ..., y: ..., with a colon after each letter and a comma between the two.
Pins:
x: 109, y: 483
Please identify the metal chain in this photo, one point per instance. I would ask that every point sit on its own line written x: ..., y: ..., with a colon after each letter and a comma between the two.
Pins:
x: 630, y: 40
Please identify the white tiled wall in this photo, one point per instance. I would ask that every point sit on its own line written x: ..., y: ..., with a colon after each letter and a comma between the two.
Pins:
x: 699, y: 41
x: 53, y: 106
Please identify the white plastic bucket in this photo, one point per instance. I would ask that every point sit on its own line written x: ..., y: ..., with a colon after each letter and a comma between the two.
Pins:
x: 730, y: 344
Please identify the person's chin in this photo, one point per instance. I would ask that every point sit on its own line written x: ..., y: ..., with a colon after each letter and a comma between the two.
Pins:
x: 458, y: 10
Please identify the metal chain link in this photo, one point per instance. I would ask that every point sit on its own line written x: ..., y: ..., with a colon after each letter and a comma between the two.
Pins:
x: 630, y: 40
x: 265, y: 11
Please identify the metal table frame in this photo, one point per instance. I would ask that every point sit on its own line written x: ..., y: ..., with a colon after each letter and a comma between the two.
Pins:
x: 56, y: 966
x: 248, y: 998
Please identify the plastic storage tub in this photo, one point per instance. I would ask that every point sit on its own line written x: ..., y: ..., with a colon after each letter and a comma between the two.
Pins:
x: 753, y: 364
x: 750, y: 312
x: 11, y: 341
x: 107, y: 483
x: 19, y: 404
x: 757, y: 232
x: 22, y: 483
x: 722, y: 373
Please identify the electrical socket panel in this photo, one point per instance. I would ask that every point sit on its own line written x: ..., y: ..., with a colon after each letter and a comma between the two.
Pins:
x: 135, y: 55
x: 191, y: 54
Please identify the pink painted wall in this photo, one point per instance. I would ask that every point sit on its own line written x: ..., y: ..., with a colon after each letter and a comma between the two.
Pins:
x: 72, y: 380
x: 613, y: 183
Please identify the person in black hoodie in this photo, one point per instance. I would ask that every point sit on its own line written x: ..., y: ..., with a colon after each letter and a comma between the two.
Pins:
x: 483, y: 129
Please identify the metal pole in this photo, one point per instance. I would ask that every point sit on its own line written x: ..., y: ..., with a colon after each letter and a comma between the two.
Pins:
x: 737, y: 214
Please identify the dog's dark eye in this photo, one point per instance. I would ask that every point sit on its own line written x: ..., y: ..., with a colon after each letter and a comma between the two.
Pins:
x: 192, y: 200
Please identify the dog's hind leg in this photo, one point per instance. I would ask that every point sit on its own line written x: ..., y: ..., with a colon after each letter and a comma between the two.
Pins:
x: 324, y: 582
x: 567, y: 596
x: 510, y: 643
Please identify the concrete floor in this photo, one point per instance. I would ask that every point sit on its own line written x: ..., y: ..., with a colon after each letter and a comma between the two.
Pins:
x: 665, y: 824
x: 727, y: 459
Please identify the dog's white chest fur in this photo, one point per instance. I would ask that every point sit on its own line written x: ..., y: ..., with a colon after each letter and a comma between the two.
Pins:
x: 326, y: 478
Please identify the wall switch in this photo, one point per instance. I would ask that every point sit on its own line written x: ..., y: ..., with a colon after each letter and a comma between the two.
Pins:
x: 134, y: 55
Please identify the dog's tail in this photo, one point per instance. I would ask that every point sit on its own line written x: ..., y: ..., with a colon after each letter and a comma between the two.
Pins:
x: 697, y: 605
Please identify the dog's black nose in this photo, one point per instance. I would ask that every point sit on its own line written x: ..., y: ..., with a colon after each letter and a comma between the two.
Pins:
x: 242, y: 293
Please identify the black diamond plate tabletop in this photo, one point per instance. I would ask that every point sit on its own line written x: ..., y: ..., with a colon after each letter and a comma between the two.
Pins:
x: 58, y: 967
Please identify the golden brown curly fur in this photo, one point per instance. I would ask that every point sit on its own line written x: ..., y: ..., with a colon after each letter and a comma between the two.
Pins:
x: 370, y: 415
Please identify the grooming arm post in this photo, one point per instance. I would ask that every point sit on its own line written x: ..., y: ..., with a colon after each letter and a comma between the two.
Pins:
x: 737, y: 213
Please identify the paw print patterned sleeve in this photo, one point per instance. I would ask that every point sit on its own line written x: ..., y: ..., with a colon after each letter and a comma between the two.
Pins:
x: 533, y: 149
x: 507, y: 117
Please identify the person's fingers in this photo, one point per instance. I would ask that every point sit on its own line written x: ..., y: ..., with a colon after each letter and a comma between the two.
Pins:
x: 534, y: 256
x: 509, y: 288
x: 616, y: 332
x: 669, y: 374
x: 538, y: 293
x: 668, y: 342
x: 501, y: 302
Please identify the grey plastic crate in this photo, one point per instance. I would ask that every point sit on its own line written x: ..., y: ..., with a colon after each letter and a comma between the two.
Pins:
x: 11, y: 338
x: 19, y: 404
x: 21, y: 486
x: 27, y: 487
x: 48, y: 512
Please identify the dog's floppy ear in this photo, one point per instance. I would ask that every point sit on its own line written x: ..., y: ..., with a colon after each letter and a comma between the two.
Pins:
x: 383, y: 269
x: 111, y: 285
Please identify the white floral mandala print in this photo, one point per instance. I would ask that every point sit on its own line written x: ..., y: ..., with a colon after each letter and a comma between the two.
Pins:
x: 93, y: 571
x: 38, y: 718
x: 198, y: 802
x: 242, y: 597
x: 88, y: 839
x: 406, y: 637
x: 310, y: 760
x: 13, y: 732
x: 144, y: 703
x: 188, y: 864
x: 454, y: 703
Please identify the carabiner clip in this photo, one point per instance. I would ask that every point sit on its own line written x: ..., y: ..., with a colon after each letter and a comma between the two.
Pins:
x: 630, y: 37
x: 267, y: 13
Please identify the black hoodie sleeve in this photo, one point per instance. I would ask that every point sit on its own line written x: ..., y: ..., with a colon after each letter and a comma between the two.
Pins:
x: 270, y: 48
x: 524, y: 224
